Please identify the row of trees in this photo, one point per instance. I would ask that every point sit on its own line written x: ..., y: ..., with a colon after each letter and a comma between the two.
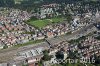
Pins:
x: 34, y: 3
x: 7, y: 3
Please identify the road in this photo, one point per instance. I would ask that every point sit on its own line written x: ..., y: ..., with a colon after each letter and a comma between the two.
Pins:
x: 75, y: 35
x: 9, y: 54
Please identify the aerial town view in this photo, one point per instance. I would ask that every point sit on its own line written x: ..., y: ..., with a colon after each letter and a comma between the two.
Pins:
x: 49, y: 32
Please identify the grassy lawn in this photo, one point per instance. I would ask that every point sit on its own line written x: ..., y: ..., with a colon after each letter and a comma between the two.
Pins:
x: 28, y: 33
x: 15, y: 47
x: 44, y: 22
x: 29, y: 43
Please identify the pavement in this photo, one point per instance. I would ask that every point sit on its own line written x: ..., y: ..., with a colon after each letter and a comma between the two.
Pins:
x: 11, y: 53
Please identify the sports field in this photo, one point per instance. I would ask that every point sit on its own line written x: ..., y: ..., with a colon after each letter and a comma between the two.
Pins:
x: 44, y: 22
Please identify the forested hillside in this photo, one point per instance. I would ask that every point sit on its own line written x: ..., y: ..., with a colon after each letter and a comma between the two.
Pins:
x: 30, y: 4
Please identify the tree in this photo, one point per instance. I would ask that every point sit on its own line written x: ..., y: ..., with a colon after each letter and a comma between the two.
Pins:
x: 79, y: 46
x: 5, y: 47
x: 46, y: 56
x: 98, y: 37
x: 97, y: 59
x: 59, y: 55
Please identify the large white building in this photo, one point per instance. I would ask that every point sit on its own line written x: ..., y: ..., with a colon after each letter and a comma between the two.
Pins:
x: 44, y: 12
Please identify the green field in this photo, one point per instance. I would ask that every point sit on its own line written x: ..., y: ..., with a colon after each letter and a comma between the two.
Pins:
x: 32, y: 42
x: 44, y: 22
